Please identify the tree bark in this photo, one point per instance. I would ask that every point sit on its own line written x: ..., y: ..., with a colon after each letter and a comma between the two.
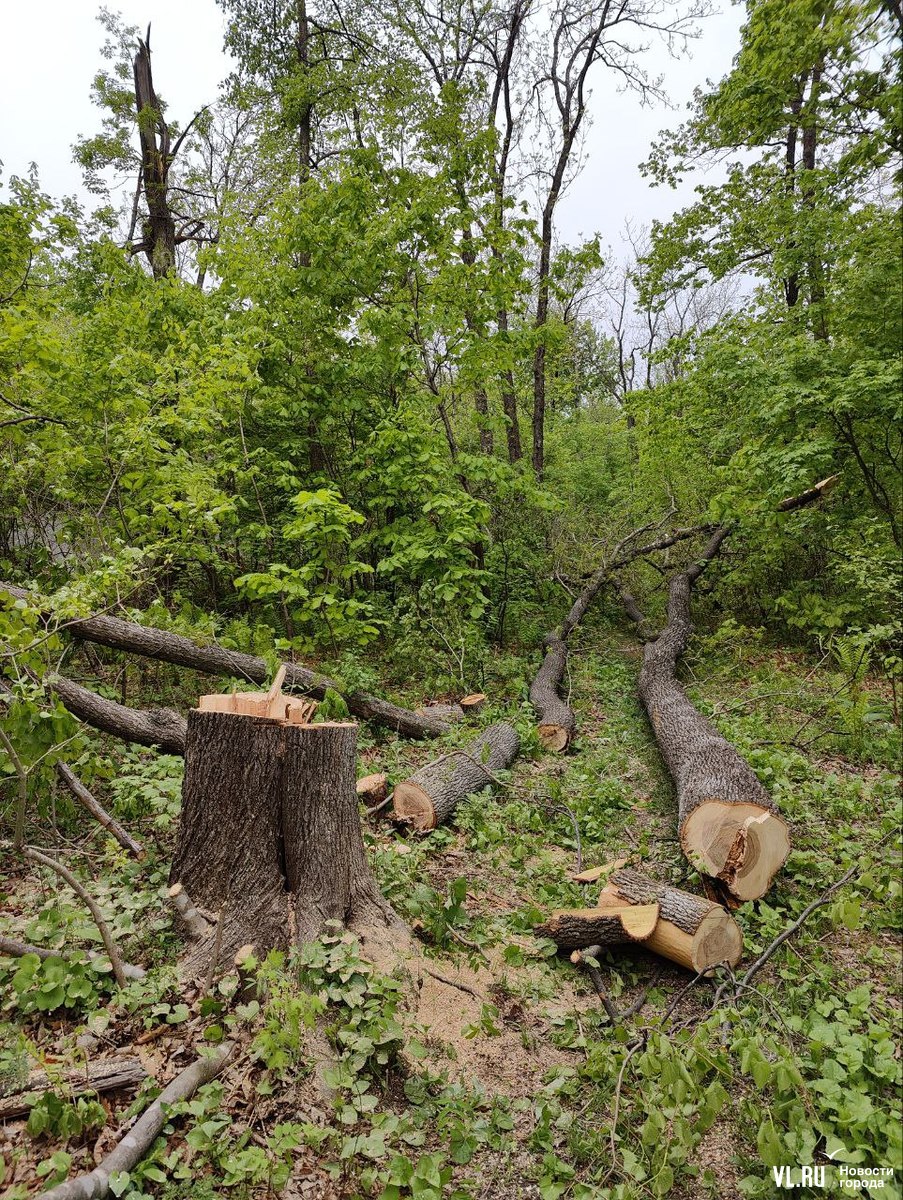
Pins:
x: 269, y: 845
x: 431, y: 795
x: 151, y: 727
x: 216, y: 660
x: 556, y: 720
x: 692, y: 931
x: 103, y: 1075
x: 728, y: 824
x: 326, y: 867
x: 229, y: 856
x: 574, y: 929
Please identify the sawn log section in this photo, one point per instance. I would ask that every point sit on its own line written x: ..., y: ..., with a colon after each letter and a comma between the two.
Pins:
x: 431, y: 795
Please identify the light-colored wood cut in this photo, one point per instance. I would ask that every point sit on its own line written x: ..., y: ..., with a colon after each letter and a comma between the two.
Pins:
x: 410, y: 803
x: 554, y: 737
x: 743, y: 845
x: 373, y: 788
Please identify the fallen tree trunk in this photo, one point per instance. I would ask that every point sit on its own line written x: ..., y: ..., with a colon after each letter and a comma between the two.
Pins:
x: 136, y: 1143
x: 556, y: 723
x: 692, y: 931
x: 269, y: 846
x: 102, y: 1075
x: 148, y: 727
x: 216, y: 660
x: 729, y: 826
x: 97, y: 811
x: 577, y: 928
x: 431, y: 795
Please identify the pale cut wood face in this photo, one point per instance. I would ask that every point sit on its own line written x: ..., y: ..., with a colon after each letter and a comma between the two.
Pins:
x: 742, y: 844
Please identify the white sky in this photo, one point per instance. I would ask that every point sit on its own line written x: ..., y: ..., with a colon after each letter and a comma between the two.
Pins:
x: 49, y: 53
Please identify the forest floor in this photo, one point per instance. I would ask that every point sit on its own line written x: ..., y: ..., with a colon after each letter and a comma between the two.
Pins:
x: 351, y: 1080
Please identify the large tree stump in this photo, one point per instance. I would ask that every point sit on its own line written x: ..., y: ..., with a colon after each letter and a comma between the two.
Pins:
x: 269, y: 846
x: 691, y: 930
x: 431, y: 795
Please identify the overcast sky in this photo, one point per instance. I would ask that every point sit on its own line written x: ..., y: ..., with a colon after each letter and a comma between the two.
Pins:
x: 49, y: 53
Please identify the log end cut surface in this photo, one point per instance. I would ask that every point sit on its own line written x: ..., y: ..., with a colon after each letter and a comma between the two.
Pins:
x: 554, y: 737
x: 743, y: 845
x: 411, y: 803
x: 717, y: 939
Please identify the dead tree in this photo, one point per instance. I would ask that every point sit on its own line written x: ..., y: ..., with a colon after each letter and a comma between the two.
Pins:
x: 161, y: 230
x: 269, y: 846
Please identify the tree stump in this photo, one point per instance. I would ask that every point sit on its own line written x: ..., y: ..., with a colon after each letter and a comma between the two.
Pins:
x: 269, y: 845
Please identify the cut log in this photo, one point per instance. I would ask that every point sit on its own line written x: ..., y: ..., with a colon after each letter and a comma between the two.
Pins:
x: 102, y: 1075
x: 473, y: 703
x: 556, y: 720
x: 269, y: 841
x: 372, y: 789
x: 691, y: 930
x: 217, y: 660
x: 430, y: 796
x: 576, y: 928
x: 729, y: 826
x: 87, y: 801
x: 139, y: 1139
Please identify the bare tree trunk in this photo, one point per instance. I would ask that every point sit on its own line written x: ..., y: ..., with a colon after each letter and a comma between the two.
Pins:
x: 159, y: 234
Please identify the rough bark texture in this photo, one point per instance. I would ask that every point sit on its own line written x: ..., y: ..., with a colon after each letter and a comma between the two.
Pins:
x: 556, y: 720
x: 216, y: 660
x: 269, y: 843
x: 705, y: 767
x: 151, y: 727
x: 103, y: 1075
x: 326, y: 867
x: 431, y: 795
x: 574, y: 929
x: 682, y: 909
x: 229, y: 855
